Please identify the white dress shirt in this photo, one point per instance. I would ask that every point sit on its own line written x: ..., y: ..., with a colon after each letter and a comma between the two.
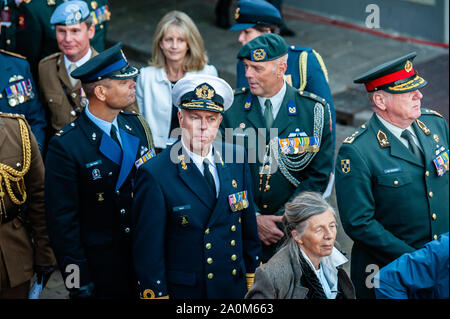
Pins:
x: 198, y: 161
x: 154, y: 98
x: 78, y: 63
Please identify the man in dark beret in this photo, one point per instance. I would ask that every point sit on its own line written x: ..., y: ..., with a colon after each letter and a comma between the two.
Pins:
x: 286, y: 132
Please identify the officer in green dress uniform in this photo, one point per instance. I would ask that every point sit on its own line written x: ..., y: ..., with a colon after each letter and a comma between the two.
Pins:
x: 392, y: 173
x: 297, y: 155
x: 35, y: 35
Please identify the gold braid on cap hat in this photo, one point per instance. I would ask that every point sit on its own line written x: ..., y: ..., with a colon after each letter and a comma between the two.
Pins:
x: 9, y: 174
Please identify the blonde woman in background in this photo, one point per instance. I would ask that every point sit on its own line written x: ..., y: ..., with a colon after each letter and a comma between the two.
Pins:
x: 178, y: 50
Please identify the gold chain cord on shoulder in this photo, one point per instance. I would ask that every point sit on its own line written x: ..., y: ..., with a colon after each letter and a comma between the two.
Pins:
x: 302, y: 66
x: 9, y: 174
x: 147, y: 131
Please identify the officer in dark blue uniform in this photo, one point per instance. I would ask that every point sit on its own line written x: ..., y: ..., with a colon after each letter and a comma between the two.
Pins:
x: 19, y: 95
x: 196, y: 234
x: 305, y: 67
x: 90, y: 170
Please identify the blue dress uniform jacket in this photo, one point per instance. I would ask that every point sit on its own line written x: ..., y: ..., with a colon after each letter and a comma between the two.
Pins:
x: 19, y: 95
x: 389, y: 202
x: 422, y: 274
x: 187, y: 244
x: 305, y: 71
x: 88, y: 196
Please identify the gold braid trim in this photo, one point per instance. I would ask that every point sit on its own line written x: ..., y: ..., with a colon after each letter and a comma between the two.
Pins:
x: 302, y: 68
x: 9, y: 174
x: 322, y: 65
x: 148, y: 132
x: 250, y: 278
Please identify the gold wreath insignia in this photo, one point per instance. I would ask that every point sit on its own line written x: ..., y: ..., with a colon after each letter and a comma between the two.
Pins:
x: 204, y: 92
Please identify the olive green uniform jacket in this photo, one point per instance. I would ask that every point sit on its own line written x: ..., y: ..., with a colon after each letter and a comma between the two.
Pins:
x: 389, y: 202
x: 63, y: 101
x: 21, y: 249
x: 296, y: 114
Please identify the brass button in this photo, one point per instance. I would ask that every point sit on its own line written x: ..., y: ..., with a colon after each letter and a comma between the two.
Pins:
x: 233, y: 243
x: 209, y: 260
x: 210, y: 275
x: 233, y: 228
x: 427, y: 173
x: 264, y: 206
x: 395, y: 182
x: 434, y: 216
x: 101, y: 26
x: 233, y: 257
x: 267, y: 187
x: 234, y: 272
x: 435, y: 237
x: 430, y: 194
x: 208, y: 246
x: 207, y: 231
x: 8, y: 42
x: 239, y: 220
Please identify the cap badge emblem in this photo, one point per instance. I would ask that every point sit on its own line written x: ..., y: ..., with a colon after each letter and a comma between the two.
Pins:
x: 204, y: 92
x: 236, y: 14
x: 259, y: 55
x: 408, y: 66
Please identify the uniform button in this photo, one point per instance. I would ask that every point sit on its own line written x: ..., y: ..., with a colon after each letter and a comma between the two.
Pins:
x: 395, y: 182
x: 435, y: 237
x: 73, y: 113
x: 267, y: 187
x: 210, y: 275
x: 264, y: 206
x: 427, y: 173
x: 207, y: 231
x: 1, y: 96
x: 233, y: 228
x: 208, y: 246
x: 234, y: 272
x: 127, y: 230
x: 233, y: 243
x: 239, y: 220
x: 122, y: 211
x: 430, y: 194
x: 117, y: 192
x: 233, y: 257
x: 209, y: 260
x: 101, y: 26
x: 74, y: 95
x: 434, y: 216
x: 8, y: 42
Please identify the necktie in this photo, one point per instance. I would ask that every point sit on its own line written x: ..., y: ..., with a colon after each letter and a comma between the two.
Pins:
x: 73, y: 81
x: 208, y: 176
x: 268, y: 113
x: 113, y: 134
x: 407, y: 135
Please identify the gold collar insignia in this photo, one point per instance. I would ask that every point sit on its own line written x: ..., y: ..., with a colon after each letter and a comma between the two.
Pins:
x: 423, y: 127
x: 382, y: 139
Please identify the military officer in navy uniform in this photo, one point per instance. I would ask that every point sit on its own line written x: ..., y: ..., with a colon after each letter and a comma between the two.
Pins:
x: 90, y: 170
x: 286, y: 133
x: 392, y: 173
x: 35, y: 35
x: 19, y: 95
x: 195, y: 228
x: 305, y: 67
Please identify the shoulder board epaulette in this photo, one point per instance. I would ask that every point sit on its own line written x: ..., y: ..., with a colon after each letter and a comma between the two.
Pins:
x: 12, y: 54
x: 312, y: 96
x: 240, y: 90
x: 298, y: 49
x: 12, y: 115
x: 51, y: 56
x: 65, y: 129
x: 358, y: 132
x: 430, y: 112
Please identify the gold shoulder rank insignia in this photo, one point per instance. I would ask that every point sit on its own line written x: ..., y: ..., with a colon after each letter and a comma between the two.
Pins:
x: 382, y: 139
x: 349, y: 140
x: 433, y: 112
x: 423, y: 127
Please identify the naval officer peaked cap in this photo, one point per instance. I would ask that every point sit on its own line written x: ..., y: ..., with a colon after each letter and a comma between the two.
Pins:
x: 202, y: 92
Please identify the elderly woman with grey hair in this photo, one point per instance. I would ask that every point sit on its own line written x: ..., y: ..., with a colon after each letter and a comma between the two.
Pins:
x: 308, y: 266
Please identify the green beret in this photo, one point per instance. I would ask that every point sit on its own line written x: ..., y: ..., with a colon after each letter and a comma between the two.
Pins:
x: 266, y: 47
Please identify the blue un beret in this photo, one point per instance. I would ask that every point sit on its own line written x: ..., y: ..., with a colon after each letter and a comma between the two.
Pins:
x: 252, y: 12
x: 111, y: 64
x: 70, y: 12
